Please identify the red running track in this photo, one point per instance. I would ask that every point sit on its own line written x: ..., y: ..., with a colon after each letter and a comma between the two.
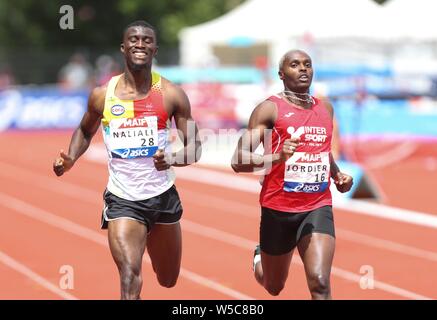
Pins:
x: 50, y: 222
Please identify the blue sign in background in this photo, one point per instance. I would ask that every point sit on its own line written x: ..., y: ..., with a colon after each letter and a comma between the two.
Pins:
x: 56, y: 109
x: 41, y: 109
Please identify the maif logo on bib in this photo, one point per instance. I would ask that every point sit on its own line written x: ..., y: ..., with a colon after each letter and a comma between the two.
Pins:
x: 117, y: 110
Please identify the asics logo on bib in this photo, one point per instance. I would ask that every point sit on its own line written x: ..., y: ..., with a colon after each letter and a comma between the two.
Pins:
x: 305, y: 187
x: 311, y: 134
x: 134, y: 152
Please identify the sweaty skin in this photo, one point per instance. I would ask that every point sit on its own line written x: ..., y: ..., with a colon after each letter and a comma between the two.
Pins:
x: 134, y: 86
x: 316, y: 249
x: 128, y: 238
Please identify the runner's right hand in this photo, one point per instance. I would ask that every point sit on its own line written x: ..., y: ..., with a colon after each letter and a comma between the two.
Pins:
x: 289, y: 147
x: 161, y: 160
x: 62, y: 164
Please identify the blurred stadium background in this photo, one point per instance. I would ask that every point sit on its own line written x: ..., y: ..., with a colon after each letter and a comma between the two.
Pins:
x: 375, y: 60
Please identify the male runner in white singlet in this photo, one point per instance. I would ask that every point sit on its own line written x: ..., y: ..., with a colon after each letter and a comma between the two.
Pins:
x: 142, y: 207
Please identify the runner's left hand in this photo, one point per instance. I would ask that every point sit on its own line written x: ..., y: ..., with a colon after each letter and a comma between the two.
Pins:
x: 343, y: 182
x: 161, y: 160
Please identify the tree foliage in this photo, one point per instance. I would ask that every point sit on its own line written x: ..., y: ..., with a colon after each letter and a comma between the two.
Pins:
x: 34, y: 46
x: 100, y: 23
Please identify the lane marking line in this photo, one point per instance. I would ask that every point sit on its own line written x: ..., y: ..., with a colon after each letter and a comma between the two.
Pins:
x: 72, y: 227
x: 91, y: 196
x: 339, y: 272
x: 230, y: 181
x: 36, y: 213
x: 21, y: 268
x: 387, y: 287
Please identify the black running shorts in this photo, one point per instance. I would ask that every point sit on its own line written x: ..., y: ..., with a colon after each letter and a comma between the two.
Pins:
x: 280, y: 231
x: 165, y: 208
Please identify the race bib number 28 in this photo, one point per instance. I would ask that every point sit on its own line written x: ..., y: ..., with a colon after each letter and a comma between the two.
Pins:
x: 307, y: 172
x: 133, y: 137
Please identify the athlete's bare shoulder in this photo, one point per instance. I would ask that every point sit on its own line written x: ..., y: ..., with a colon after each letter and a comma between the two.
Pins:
x: 96, y: 100
x: 175, y: 98
x: 171, y: 88
x: 264, y: 113
x: 96, y: 104
x: 267, y: 106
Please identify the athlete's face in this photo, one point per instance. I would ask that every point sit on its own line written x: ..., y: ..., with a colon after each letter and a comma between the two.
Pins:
x: 296, y: 71
x: 139, y: 47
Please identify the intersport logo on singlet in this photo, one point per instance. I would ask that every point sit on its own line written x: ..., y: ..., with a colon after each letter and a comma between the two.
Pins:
x: 310, y: 134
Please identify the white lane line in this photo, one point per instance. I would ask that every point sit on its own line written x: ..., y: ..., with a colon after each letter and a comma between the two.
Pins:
x: 219, y: 235
x: 251, y: 212
x: 76, y: 229
x: 209, y: 201
x: 380, y: 285
x: 21, y: 268
x: 49, y: 183
x: 241, y: 183
x: 69, y: 226
x: 219, y: 179
x: 388, y: 212
x: 214, y: 285
x: 341, y: 273
x: 385, y: 244
x: 230, y: 206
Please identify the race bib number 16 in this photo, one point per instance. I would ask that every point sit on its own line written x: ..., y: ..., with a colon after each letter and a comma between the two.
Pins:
x: 307, y: 172
x: 133, y: 138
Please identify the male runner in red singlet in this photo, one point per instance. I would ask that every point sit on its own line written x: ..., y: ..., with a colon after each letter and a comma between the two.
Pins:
x: 296, y: 206
x: 142, y: 207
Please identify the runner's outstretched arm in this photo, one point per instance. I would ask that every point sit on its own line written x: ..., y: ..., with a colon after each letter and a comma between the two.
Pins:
x: 83, y: 134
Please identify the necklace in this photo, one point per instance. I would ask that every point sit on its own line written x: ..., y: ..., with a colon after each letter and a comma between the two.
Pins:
x: 292, y: 95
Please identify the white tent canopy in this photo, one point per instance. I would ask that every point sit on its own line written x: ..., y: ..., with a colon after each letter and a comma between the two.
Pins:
x: 338, y: 30
x: 280, y: 24
x: 413, y: 37
x: 329, y: 19
x: 410, y: 20
x: 244, y: 21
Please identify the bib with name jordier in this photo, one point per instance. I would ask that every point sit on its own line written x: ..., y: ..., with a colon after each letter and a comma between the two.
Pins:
x: 302, y: 182
x: 133, y: 130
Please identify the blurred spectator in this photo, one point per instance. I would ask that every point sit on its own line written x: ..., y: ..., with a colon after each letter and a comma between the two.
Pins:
x: 106, y: 68
x: 76, y: 74
x: 6, y: 78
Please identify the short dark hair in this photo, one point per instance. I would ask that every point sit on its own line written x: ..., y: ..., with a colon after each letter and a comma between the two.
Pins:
x: 140, y: 23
